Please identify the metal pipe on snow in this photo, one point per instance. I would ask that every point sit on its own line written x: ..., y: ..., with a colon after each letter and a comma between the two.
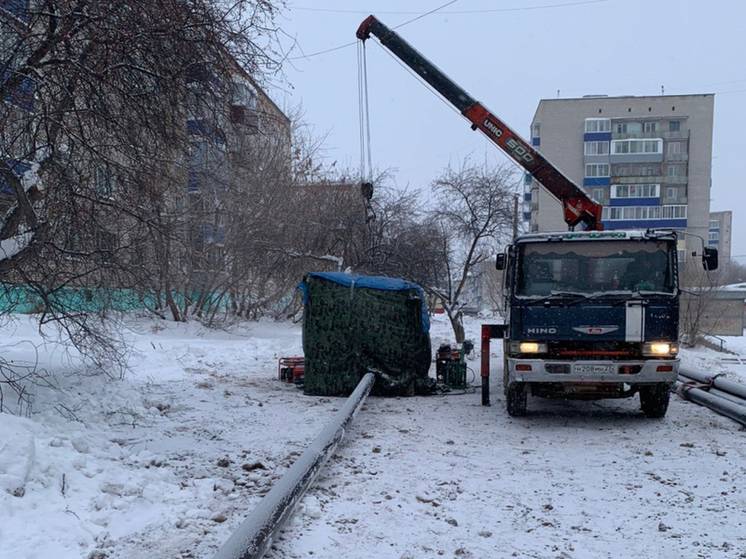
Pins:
x: 720, y: 383
x: 255, y: 534
x: 736, y: 412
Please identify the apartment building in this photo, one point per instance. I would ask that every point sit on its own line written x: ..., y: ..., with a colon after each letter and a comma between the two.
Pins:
x: 226, y: 146
x: 648, y: 160
x: 719, y: 234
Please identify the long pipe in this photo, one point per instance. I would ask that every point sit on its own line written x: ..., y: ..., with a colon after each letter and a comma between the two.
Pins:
x: 724, y: 407
x: 720, y: 383
x: 726, y: 396
x: 254, y: 535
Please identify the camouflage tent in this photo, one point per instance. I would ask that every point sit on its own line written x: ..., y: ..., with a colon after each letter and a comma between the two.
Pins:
x: 352, y: 324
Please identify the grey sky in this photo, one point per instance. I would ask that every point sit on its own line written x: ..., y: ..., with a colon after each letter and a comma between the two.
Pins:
x: 509, y: 60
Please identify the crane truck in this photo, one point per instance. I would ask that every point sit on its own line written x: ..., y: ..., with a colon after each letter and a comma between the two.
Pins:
x: 590, y: 314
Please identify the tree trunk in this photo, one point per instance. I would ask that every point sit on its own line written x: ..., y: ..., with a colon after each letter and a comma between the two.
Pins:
x: 457, y: 323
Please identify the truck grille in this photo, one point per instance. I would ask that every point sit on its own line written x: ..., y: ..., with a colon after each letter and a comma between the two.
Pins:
x: 594, y: 350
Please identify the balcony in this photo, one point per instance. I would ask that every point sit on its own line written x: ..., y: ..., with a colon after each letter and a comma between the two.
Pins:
x: 656, y: 179
x: 666, y: 135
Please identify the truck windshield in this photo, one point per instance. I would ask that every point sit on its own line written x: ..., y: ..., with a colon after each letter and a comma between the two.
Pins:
x: 590, y: 267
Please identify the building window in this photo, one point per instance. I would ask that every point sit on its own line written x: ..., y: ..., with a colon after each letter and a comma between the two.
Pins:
x: 627, y: 213
x: 713, y: 236
x: 598, y: 195
x: 650, y: 127
x: 104, y: 181
x: 597, y: 170
x: 536, y: 130
x: 596, y: 148
x: 653, y: 146
x: 598, y: 125
x: 628, y: 127
x: 106, y: 243
x: 714, y: 224
x: 674, y: 148
x: 672, y: 194
x: 675, y: 171
x: 635, y: 190
x: 244, y: 95
x: 632, y: 170
x: 674, y: 125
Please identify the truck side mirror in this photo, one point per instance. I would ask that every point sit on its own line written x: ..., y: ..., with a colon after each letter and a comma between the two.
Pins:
x: 710, y: 259
x: 500, y: 261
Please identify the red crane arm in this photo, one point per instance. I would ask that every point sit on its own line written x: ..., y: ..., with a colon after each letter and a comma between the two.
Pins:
x: 578, y: 207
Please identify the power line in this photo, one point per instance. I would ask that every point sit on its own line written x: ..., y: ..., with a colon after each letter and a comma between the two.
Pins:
x: 456, y: 12
x: 419, y: 16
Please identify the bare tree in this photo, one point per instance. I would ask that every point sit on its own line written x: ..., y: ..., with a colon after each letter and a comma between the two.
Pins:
x: 700, y: 314
x: 473, y: 212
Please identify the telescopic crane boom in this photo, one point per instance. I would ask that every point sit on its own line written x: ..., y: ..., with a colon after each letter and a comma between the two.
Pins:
x: 578, y: 207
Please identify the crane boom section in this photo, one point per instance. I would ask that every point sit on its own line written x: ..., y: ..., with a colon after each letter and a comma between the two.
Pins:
x: 578, y: 207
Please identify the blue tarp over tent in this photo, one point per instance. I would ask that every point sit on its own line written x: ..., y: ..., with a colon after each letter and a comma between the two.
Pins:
x: 382, y: 283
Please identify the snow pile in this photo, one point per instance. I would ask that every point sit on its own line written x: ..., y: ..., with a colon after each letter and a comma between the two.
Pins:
x: 17, y: 450
x: 167, y: 461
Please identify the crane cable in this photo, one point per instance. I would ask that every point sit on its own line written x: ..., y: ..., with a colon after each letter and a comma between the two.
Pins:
x: 366, y: 165
x: 366, y: 154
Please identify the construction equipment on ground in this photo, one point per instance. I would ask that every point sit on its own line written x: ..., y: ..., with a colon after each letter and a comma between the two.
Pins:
x: 291, y: 370
x: 450, y: 365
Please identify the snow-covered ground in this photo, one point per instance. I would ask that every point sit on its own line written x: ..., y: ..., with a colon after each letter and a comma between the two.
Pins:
x: 167, y: 462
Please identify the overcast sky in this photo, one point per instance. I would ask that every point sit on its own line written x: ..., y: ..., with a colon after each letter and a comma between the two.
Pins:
x: 509, y: 60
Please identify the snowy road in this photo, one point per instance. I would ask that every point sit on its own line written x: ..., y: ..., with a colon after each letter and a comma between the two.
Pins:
x: 446, y: 477
x: 167, y: 463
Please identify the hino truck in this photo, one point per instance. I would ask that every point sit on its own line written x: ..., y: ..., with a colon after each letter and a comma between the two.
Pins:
x: 590, y: 313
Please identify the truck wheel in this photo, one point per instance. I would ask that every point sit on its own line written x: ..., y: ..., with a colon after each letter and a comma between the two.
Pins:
x: 516, y: 398
x: 654, y: 400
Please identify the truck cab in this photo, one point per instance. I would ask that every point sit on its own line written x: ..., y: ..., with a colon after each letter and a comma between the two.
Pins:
x: 591, y: 315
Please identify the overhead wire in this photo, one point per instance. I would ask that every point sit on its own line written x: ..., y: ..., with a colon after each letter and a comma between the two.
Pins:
x: 457, y: 12
x: 345, y: 45
x: 438, y: 9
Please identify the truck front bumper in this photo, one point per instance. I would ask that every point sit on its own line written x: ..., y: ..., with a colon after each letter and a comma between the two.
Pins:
x: 593, y: 372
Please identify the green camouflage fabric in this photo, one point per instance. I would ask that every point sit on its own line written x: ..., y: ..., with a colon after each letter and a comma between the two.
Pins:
x: 348, y: 330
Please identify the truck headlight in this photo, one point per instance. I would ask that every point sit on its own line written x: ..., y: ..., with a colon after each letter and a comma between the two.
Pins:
x: 660, y: 349
x: 528, y: 347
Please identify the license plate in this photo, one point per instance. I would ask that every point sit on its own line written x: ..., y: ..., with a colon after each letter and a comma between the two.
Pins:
x: 592, y: 369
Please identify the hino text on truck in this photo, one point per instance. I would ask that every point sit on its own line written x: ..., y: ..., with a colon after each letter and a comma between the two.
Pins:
x: 591, y: 314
